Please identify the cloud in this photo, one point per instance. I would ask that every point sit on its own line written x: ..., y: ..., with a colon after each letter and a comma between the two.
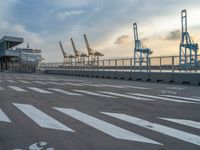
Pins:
x: 174, y: 35
x: 68, y: 13
x: 123, y: 40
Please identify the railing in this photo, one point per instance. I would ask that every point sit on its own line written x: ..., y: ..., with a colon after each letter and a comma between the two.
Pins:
x: 157, y: 64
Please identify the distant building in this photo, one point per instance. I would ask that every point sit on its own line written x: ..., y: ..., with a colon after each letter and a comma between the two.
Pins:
x: 10, y: 54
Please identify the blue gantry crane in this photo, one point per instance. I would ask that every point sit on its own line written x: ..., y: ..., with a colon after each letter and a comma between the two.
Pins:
x: 188, y: 49
x: 141, y: 53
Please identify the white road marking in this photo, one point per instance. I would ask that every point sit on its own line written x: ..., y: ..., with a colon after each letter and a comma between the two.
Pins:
x: 181, y: 135
x: 109, y: 85
x: 167, y: 92
x: 40, y: 90
x: 93, y: 85
x: 126, y: 96
x: 105, y: 127
x: 180, y: 97
x: 65, y: 92
x: 189, y: 123
x: 41, y: 118
x: 24, y: 81
x: 11, y: 81
x: 196, y: 97
x: 160, y: 98
x: 39, y: 82
x: 3, y: 116
x: 18, y: 89
x: 74, y: 84
x: 135, y: 87
x: 94, y: 93
x: 2, y: 89
x: 55, y: 83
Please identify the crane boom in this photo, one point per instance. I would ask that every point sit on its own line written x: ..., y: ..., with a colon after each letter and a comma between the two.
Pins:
x: 62, y: 49
x: 74, y: 48
x: 90, y: 51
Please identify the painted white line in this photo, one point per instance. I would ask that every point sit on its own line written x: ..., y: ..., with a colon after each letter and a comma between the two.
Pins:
x: 93, y: 85
x: 2, y: 89
x: 189, y: 123
x: 126, y: 96
x: 39, y: 82
x: 41, y: 118
x: 135, y: 87
x: 180, y: 97
x: 18, y: 89
x: 160, y: 98
x: 11, y: 81
x: 74, y: 84
x: 3, y: 117
x: 196, y: 97
x: 94, y: 93
x: 181, y: 135
x: 39, y: 90
x: 105, y: 127
x: 65, y: 92
x: 109, y: 85
x: 24, y: 81
x: 55, y: 83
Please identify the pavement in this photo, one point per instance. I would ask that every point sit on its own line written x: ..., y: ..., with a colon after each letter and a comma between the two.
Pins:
x: 51, y: 112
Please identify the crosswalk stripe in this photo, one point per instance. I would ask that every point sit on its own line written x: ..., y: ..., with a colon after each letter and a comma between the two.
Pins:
x: 196, y: 97
x: 55, y: 83
x: 74, y: 84
x: 39, y: 82
x: 181, y: 135
x: 180, y: 97
x: 3, y: 116
x: 93, y: 85
x: 189, y: 123
x: 135, y: 87
x: 2, y: 89
x: 40, y: 90
x: 160, y: 98
x: 94, y: 93
x: 65, y: 92
x: 11, y: 81
x: 109, y: 85
x: 126, y: 96
x: 105, y: 127
x: 24, y: 81
x: 18, y: 89
x: 41, y: 118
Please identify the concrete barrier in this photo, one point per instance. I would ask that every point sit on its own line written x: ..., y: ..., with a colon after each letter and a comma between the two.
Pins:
x: 165, y: 77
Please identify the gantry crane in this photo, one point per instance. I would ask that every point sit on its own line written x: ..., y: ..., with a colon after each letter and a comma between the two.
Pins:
x: 93, y: 55
x: 80, y: 56
x: 141, y: 53
x: 188, y: 49
x: 65, y: 55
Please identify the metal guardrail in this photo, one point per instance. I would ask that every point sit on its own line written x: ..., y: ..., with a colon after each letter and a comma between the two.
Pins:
x: 157, y: 64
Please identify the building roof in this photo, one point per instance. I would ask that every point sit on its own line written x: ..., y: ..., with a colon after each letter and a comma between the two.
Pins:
x: 12, y: 41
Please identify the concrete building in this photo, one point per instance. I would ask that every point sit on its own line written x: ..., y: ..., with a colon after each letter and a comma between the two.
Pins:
x: 9, y: 53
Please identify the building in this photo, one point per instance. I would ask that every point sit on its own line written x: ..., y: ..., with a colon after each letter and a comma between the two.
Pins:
x: 10, y: 54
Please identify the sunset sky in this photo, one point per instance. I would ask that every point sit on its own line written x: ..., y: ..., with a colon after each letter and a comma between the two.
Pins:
x: 107, y: 23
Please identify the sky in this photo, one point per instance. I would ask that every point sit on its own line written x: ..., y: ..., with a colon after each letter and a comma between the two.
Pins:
x: 107, y: 23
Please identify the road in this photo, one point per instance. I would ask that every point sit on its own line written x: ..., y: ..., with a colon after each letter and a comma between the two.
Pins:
x: 52, y: 112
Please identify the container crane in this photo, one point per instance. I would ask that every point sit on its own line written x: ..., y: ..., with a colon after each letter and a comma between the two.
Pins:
x: 141, y: 53
x: 188, y: 49
x: 78, y: 55
x: 65, y: 55
x: 92, y: 54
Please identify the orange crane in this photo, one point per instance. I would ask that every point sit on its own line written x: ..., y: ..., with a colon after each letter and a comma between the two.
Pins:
x: 78, y: 55
x: 92, y: 54
x: 65, y: 55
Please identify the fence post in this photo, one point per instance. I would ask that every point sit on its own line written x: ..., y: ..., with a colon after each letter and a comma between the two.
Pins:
x: 160, y: 64
x: 131, y: 64
x: 173, y: 64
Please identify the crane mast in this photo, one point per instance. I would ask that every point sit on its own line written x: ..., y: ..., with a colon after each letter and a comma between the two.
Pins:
x: 141, y: 53
x: 188, y: 49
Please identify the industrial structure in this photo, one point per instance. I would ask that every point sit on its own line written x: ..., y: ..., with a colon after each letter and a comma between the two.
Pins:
x: 80, y: 57
x: 93, y: 55
x: 9, y: 54
x: 188, y: 49
x: 67, y: 57
x: 141, y: 53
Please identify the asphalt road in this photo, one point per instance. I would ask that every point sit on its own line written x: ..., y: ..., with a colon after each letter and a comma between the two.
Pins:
x: 48, y: 112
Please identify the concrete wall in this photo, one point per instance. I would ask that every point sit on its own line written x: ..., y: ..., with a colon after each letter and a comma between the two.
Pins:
x: 180, y: 78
